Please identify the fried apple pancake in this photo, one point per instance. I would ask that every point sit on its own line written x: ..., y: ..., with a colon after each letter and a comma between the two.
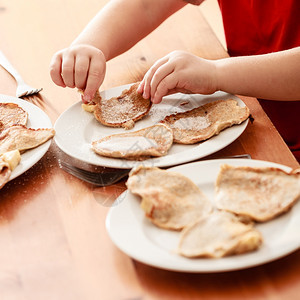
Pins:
x: 8, y: 162
x: 203, y: 122
x: 12, y: 114
x: 12, y: 157
x: 90, y: 107
x: 155, y: 140
x: 169, y: 199
x: 258, y: 193
x: 122, y: 111
x: 22, y: 138
x: 4, y: 172
x: 217, y: 235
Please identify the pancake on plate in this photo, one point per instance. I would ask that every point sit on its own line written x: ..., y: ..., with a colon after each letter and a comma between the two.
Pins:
x: 217, y: 235
x: 169, y: 199
x: 155, y: 140
x: 12, y: 114
x: 19, y: 137
x: 203, y: 122
x: 121, y: 111
x: 260, y: 194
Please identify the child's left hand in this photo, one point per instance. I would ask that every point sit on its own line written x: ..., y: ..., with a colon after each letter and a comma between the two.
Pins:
x: 178, y: 71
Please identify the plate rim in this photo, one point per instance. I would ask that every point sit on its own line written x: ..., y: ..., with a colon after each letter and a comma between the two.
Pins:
x: 256, y: 261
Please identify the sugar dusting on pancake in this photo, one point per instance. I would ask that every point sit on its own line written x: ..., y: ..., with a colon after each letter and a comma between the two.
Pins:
x: 122, y: 111
x: 216, y: 235
x: 203, y: 122
x: 169, y: 199
x: 260, y: 194
x: 12, y: 114
x: 21, y: 138
x: 152, y: 141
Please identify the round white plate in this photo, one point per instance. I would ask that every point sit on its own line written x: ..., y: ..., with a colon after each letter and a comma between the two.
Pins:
x: 37, y: 118
x: 136, y: 236
x: 76, y: 129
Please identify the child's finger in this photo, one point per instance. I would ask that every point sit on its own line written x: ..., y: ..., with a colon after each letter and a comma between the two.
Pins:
x: 95, y: 78
x: 55, y: 70
x: 167, y: 84
x: 161, y: 72
x: 148, y: 76
x: 81, y: 71
x: 67, y: 71
x: 140, y: 88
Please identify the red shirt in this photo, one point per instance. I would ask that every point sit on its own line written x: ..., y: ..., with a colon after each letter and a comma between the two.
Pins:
x: 263, y: 26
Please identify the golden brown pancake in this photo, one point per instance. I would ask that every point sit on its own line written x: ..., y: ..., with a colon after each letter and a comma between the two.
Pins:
x: 122, y: 111
x: 258, y: 193
x: 216, y: 235
x: 155, y: 140
x: 201, y: 123
x: 169, y: 199
x: 22, y: 138
x: 12, y: 114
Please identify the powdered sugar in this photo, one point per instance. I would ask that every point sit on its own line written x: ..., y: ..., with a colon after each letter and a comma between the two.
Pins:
x: 159, y: 112
x: 192, y: 123
x: 127, y: 143
x: 117, y: 112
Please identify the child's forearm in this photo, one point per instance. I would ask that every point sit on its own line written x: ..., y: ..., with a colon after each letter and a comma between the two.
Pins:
x: 271, y: 76
x: 122, y: 23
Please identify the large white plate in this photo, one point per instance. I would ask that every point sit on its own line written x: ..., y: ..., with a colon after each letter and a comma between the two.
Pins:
x: 76, y: 129
x: 37, y: 118
x: 135, y: 235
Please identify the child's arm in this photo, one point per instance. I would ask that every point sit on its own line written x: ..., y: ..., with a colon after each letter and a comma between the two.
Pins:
x: 274, y: 76
x: 115, y: 29
x: 270, y: 76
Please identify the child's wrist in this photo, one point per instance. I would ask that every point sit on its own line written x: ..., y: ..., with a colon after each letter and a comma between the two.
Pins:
x: 220, y: 74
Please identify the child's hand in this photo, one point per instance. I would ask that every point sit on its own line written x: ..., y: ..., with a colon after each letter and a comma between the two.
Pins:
x: 81, y: 66
x: 178, y: 71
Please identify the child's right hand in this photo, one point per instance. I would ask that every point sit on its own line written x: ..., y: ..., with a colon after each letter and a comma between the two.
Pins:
x: 82, y: 66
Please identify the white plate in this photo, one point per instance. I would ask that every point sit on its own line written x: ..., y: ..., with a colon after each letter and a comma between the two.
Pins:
x: 136, y: 236
x: 76, y: 129
x: 37, y: 118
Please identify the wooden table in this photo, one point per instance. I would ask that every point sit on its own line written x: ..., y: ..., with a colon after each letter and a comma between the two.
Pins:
x: 52, y: 234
